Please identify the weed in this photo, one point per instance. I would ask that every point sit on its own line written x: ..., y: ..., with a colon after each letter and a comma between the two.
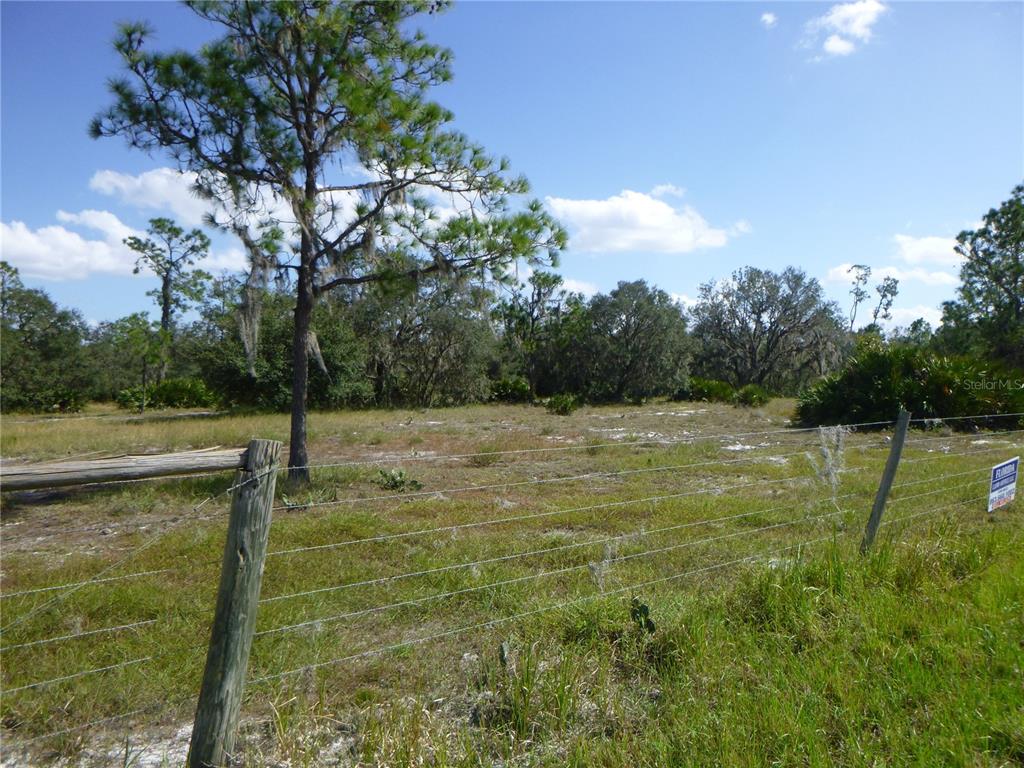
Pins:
x: 396, y: 480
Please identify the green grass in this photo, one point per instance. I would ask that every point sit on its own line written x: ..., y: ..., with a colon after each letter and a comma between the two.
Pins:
x: 793, y: 655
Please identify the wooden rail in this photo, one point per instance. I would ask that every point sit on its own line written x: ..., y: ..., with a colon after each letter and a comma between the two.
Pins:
x: 24, y: 477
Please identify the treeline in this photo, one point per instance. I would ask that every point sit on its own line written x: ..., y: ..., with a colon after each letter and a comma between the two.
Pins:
x: 451, y: 340
x: 441, y: 342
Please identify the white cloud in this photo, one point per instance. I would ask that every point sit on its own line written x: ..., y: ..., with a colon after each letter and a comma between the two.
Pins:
x: 667, y: 190
x: 838, y: 46
x: 162, y: 189
x: 846, y: 25
x: 928, y: 250
x: 769, y: 19
x: 906, y: 315
x: 58, y: 253
x: 168, y: 191
x: 741, y: 227
x: 231, y: 260
x: 682, y: 298
x: 579, y: 286
x: 634, y: 221
x: 842, y: 274
x: 113, y: 229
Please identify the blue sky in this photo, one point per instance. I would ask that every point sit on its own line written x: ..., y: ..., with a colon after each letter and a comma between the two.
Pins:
x: 676, y: 141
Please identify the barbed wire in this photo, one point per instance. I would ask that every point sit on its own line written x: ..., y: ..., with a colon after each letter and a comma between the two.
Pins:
x: 65, y: 678
x: 688, y: 440
x: 525, y: 614
x: 943, y: 489
x: 535, y: 552
x: 940, y: 420
x: 932, y: 511
x: 99, y: 576
x: 544, y: 574
x: 534, y: 481
x: 938, y: 456
x: 83, y: 583
x: 91, y: 724
x: 79, y: 635
x: 535, y: 515
x: 926, y: 480
x: 960, y: 435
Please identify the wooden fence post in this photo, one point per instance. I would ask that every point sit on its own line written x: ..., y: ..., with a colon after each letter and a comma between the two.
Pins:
x: 220, y: 698
x: 891, y: 464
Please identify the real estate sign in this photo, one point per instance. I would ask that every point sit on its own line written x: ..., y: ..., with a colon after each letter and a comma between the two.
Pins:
x: 1003, y: 487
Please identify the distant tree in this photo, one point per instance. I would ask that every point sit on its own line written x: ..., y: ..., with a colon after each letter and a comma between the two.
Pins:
x: 140, y: 346
x: 170, y: 253
x: 887, y: 291
x: 861, y: 275
x: 261, y: 376
x: 524, y: 319
x: 637, y: 344
x: 565, y: 358
x: 988, y: 313
x: 428, y: 348
x: 312, y: 103
x: 42, y: 362
x: 918, y: 334
x: 764, y: 328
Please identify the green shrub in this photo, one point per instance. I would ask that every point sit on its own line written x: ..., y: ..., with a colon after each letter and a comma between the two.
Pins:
x: 396, y: 480
x: 511, y: 390
x: 752, y: 396
x: 169, y: 393
x: 881, y: 379
x: 562, y: 405
x: 706, y: 390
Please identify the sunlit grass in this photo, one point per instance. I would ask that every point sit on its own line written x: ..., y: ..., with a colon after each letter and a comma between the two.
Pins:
x: 810, y: 654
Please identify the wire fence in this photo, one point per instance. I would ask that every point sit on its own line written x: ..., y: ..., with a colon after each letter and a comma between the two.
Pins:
x: 361, y: 575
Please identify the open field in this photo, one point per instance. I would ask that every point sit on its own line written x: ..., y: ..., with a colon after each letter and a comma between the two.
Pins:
x: 476, y: 608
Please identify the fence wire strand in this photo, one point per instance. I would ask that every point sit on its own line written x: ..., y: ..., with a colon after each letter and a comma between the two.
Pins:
x: 531, y: 516
x: 536, y: 481
x: 84, y: 582
x: 525, y: 614
x: 545, y: 551
x: 688, y: 440
x: 79, y: 635
x: 100, y: 578
x: 76, y: 675
x: 545, y: 574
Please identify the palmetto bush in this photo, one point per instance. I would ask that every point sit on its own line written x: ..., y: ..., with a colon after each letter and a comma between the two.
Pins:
x: 881, y: 379
x: 706, y: 390
x: 752, y: 396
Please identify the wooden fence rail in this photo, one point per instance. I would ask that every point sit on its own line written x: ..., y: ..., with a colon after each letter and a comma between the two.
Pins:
x: 24, y: 477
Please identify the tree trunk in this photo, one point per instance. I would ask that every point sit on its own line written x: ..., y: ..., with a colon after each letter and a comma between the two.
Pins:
x: 165, y: 326
x: 298, y: 458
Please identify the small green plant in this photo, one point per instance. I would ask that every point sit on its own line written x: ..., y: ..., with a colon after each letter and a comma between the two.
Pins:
x: 396, y: 480
x: 169, y: 393
x: 562, y: 405
x: 485, y: 457
x: 514, y: 389
x: 752, y: 396
x: 640, y: 614
x: 706, y: 390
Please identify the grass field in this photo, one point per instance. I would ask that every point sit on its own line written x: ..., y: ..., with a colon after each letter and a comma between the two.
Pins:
x: 496, y: 615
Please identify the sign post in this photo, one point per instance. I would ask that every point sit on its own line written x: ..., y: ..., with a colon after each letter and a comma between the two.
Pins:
x: 1003, y: 486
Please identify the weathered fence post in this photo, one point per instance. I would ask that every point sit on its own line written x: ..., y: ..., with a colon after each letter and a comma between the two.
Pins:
x: 220, y: 699
x: 891, y: 464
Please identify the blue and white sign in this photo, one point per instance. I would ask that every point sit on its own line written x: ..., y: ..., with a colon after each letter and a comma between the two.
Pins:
x: 1003, y: 487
